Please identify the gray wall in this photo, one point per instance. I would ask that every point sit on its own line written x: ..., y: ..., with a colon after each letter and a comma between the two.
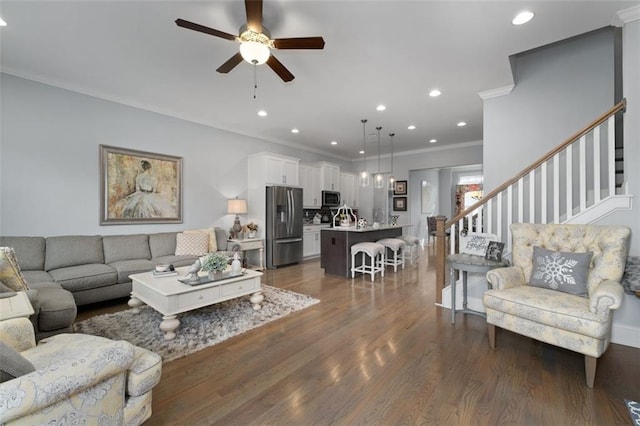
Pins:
x: 49, y: 166
x: 558, y: 90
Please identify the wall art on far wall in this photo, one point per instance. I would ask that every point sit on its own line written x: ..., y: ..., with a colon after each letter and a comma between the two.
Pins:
x: 139, y: 187
x: 400, y: 187
x: 400, y: 204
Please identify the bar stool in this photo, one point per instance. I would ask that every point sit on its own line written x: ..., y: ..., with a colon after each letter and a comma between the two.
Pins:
x: 376, y: 253
x: 396, y: 246
x: 412, y: 243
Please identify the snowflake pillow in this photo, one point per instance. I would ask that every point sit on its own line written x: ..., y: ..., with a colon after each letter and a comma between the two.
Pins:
x: 556, y: 270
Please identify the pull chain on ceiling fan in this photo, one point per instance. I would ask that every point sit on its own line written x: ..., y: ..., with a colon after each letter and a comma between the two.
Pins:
x: 256, y: 42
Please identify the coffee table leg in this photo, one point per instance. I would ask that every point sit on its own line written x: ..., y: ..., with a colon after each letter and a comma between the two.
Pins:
x: 135, y: 304
x: 256, y: 299
x: 168, y: 325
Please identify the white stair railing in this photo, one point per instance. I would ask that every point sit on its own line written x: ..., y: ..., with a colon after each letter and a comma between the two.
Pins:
x: 576, y: 175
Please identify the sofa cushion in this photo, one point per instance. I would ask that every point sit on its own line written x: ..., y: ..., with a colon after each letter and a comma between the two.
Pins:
x: 548, y: 308
x: 10, y: 273
x: 128, y: 267
x: 125, y: 247
x: 84, y: 277
x: 35, y: 277
x: 13, y: 364
x: 174, y: 260
x: 57, y: 308
x: 162, y: 244
x: 221, y: 238
x: 192, y: 243
x: 562, y: 271
x: 72, y: 250
x: 29, y: 251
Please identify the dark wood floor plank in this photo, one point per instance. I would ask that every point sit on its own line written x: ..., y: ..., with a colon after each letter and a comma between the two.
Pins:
x: 382, y: 353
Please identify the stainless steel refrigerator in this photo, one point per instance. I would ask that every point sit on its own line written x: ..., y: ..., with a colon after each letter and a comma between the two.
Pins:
x: 284, y: 225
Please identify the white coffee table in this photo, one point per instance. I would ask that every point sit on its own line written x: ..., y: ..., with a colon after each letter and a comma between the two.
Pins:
x: 170, y: 297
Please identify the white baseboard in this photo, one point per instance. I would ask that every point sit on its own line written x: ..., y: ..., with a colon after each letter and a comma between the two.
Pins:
x: 621, y: 334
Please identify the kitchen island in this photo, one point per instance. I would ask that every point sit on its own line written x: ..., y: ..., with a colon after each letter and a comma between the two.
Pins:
x: 336, y: 242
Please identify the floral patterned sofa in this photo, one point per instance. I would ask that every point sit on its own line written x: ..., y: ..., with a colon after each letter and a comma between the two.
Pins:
x: 73, y: 378
x: 539, y: 295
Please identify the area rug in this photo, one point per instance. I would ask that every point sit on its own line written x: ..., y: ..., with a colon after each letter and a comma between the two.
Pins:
x: 198, y: 329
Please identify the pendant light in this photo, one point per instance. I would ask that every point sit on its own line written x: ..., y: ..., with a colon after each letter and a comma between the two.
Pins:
x: 363, y: 179
x: 391, y: 178
x: 379, y: 179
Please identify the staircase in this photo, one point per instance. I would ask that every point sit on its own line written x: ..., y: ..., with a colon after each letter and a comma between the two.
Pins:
x: 579, y: 181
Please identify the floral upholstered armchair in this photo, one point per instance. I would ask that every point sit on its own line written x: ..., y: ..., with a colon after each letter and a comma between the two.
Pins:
x: 562, y: 287
x: 73, y: 378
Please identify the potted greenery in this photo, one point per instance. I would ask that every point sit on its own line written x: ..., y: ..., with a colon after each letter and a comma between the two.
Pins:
x: 215, y: 263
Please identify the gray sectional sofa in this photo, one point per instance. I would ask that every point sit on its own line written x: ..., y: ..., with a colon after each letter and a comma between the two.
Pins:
x: 74, y: 270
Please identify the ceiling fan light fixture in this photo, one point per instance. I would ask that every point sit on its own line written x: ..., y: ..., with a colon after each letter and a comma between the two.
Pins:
x: 254, y: 52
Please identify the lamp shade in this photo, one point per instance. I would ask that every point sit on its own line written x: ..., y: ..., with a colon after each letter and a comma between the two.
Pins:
x: 237, y: 206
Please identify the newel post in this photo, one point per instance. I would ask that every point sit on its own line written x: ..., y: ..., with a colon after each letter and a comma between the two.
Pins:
x: 441, y: 256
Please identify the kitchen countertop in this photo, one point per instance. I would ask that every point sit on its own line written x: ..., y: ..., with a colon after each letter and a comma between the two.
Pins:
x: 367, y: 228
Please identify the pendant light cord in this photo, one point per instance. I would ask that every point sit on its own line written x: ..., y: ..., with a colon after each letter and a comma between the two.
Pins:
x: 364, y: 142
x: 391, y: 135
x: 378, y: 129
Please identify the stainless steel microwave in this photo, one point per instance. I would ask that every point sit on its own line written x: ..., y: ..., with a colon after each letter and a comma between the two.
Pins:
x: 330, y: 199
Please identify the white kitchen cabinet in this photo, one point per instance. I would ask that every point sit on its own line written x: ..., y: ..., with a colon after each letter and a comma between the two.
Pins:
x: 349, y: 189
x: 310, y: 183
x: 329, y: 176
x: 311, y: 240
x: 274, y: 169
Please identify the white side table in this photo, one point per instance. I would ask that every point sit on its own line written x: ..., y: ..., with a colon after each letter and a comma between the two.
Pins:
x: 251, y: 244
x: 15, y: 307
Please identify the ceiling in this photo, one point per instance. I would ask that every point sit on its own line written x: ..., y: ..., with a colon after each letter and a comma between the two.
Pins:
x: 389, y: 52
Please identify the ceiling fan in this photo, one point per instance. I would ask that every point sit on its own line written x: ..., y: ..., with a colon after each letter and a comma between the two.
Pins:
x: 256, y: 42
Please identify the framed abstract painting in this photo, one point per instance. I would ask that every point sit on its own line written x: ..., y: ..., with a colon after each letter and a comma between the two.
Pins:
x: 138, y: 187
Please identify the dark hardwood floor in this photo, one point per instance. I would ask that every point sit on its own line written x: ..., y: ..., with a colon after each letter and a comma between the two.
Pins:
x: 383, y: 354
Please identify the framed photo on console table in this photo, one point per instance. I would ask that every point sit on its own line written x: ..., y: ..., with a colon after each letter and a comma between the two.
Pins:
x: 400, y: 204
x: 139, y: 187
x: 400, y: 187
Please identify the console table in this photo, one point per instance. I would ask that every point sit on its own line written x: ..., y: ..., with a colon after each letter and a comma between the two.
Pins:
x: 251, y: 244
x: 15, y: 306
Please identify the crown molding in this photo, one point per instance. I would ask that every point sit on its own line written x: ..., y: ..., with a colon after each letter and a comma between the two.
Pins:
x: 626, y: 15
x: 495, y: 93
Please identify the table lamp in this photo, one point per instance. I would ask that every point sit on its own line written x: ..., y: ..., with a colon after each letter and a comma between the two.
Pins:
x: 236, y: 206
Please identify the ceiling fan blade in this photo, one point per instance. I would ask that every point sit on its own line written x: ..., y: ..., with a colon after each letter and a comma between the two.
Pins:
x: 254, y: 14
x: 299, y: 43
x: 201, y: 28
x: 230, y: 64
x: 279, y: 69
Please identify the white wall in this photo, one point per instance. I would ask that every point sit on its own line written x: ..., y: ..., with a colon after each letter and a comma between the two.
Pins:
x: 49, y: 166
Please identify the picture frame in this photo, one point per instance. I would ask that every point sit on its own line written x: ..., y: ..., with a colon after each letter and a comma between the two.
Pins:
x: 494, y: 251
x: 400, y: 187
x: 400, y: 204
x: 139, y: 187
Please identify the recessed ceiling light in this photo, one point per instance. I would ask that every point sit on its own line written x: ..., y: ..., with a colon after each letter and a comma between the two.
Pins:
x: 433, y: 140
x: 462, y: 124
x: 435, y: 93
x: 523, y: 17
x: 361, y: 152
x: 334, y: 142
x: 381, y: 107
x: 262, y: 113
x: 411, y: 127
x: 3, y: 23
x: 295, y: 131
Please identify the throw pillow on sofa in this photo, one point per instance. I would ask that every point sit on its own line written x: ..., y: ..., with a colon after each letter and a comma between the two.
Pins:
x: 192, y: 243
x: 10, y: 273
x: 213, y: 245
x: 13, y: 364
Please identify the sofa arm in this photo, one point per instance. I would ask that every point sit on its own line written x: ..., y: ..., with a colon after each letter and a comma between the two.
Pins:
x: 17, y: 333
x: 502, y: 278
x: 607, y: 295
x: 66, y: 365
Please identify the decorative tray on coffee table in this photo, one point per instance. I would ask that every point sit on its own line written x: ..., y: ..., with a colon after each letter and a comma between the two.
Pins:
x: 205, y: 279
